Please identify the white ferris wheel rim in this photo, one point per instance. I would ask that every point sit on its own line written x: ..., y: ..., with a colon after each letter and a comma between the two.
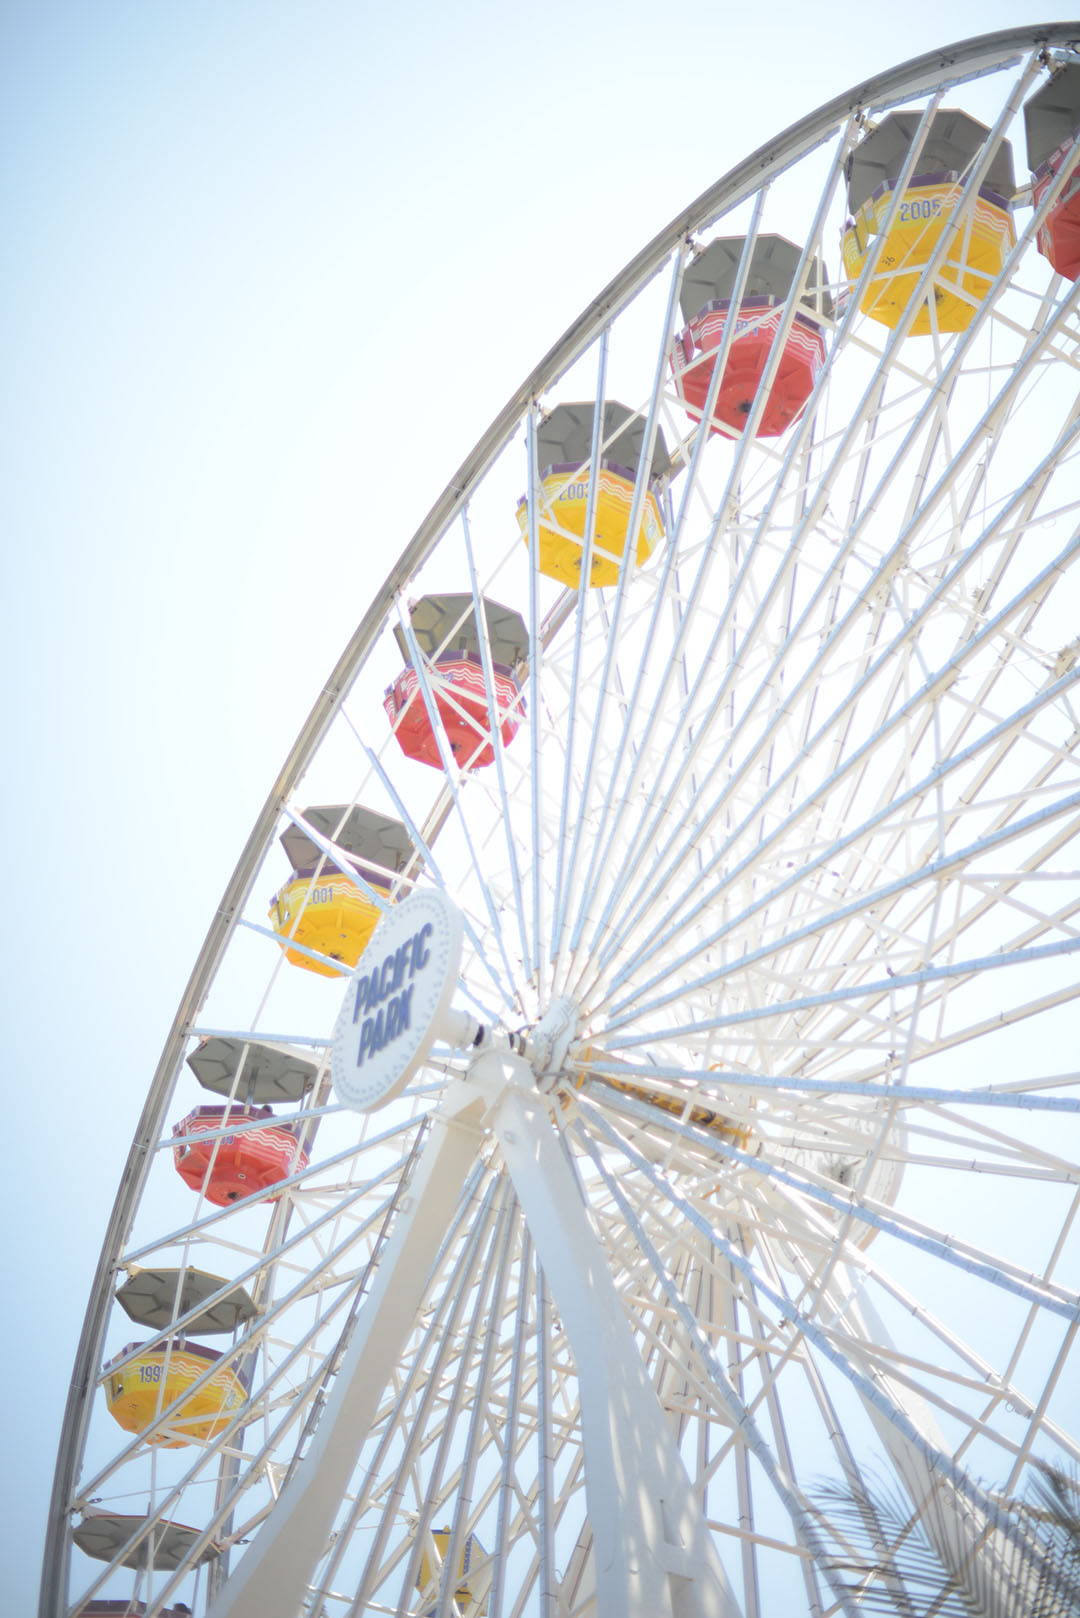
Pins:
x: 956, y: 64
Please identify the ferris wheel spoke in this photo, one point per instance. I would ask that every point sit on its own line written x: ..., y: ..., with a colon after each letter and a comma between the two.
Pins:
x: 889, y: 1416
x: 623, y: 797
x: 872, y: 989
x: 958, y: 1364
x: 506, y: 995
x: 930, y: 1384
x: 648, y: 829
x: 807, y: 1362
x: 533, y: 956
x: 1018, y: 1095
x: 899, y: 946
x: 453, y: 1394
x: 955, y: 1531
x: 723, y: 510
x: 630, y: 1457
x: 739, y: 1416
x: 504, y: 1481
x: 631, y: 1009
x: 1037, y: 1423
x: 869, y: 1212
x: 463, y: 1523
x: 614, y: 803
x: 286, y: 1553
x: 946, y: 674
x: 495, y: 727
x: 944, y: 485
x: 637, y: 504
x: 566, y: 859
x: 405, y: 1415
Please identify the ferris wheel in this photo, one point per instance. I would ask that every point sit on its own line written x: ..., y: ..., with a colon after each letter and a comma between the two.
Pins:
x: 628, y: 1095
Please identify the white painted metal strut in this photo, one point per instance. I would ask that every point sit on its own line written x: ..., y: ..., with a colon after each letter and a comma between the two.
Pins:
x: 653, y: 1554
x: 271, y: 1580
x: 739, y: 1413
x: 849, y: 1360
x: 646, y: 896
x: 559, y: 908
x: 650, y: 821
x: 627, y: 563
x: 749, y: 434
x: 495, y: 724
x: 502, y: 1525
x: 708, y: 555
x: 652, y: 1550
x: 661, y: 882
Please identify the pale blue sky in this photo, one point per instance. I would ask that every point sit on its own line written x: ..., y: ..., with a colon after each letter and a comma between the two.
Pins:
x: 236, y: 233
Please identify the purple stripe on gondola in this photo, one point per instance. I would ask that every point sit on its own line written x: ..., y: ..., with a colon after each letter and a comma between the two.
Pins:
x: 236, y: 1117
x: 178, y: 1346
x: 331, y: 868
x: 757, y: 300
x: 557, y: 468
x: 946, y: 177
x: 476, y: 660
x: 227, y: 1115
x: 1047, y: 170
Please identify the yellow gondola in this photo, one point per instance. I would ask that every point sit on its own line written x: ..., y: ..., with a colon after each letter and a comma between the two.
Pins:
x: 335, y: 918
x: 564, y: 445
x: 981, y: 237
x: 564, y: 502
x: 148, y: 1384
x: 323, y: 907
x: 471, y: 1594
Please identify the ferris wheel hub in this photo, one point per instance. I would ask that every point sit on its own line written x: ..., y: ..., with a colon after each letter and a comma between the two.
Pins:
x: 547, y: 1043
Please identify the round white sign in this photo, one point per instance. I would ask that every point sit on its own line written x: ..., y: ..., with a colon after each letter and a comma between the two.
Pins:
x: 396, y: 999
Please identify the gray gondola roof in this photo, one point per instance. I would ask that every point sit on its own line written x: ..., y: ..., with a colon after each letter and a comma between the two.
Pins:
x: 564, y: 437
x: 269, y: 1073
x: 155, y: 1297
x: 711, y: 277
x: 102, y: 1534
x: 951, y: 142
x: 1052, y: 115
x: 368, y: 834
x: 444, y: 624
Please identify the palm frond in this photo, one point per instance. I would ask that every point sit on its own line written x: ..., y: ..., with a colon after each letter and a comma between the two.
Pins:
x: 1018, y: 1558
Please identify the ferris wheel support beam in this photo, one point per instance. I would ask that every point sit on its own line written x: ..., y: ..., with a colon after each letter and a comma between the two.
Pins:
x: 652, y: 1551
x: 272, y: 1579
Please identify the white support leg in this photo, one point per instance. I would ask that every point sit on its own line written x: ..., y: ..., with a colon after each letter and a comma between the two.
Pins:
x: 273, y: 1577
x: 653, y: 1555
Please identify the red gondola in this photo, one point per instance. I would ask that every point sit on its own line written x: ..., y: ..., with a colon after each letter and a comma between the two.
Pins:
x: 233, y: 1166
x: 1052, y: 119
x: 706, y: 298
x: 445, y: 631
